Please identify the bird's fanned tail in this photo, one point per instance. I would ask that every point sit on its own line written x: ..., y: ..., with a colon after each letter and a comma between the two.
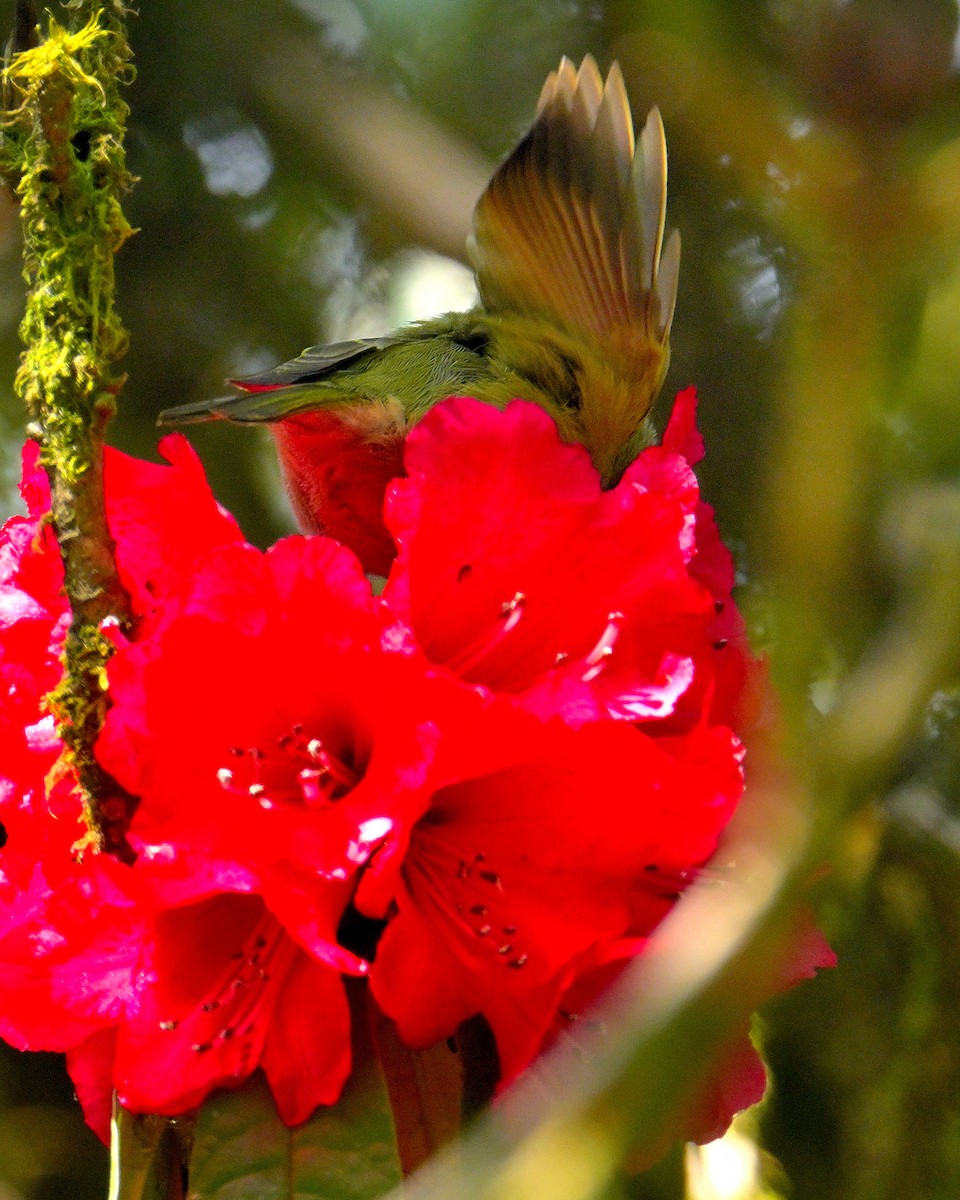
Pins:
x: 571, y: 226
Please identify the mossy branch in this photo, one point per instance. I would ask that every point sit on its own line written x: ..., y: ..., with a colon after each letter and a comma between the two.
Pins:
x: 63, y: 155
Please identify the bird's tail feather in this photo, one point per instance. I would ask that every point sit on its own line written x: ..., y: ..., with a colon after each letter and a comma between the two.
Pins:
x: 252, y: 408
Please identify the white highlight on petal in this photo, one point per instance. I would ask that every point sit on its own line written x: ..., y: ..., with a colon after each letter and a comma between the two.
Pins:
x: 158, y: 852
x: 658, y: 699
x: 375, y: 829
x: 370, y: 834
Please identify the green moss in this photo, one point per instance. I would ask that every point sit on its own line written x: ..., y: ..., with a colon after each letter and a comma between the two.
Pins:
x: 63, y: 155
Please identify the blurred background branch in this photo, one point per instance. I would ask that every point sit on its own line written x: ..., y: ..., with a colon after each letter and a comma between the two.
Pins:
x: 415, y: 173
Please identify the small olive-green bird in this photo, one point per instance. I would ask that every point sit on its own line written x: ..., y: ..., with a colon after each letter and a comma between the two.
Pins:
x: 577, y: 295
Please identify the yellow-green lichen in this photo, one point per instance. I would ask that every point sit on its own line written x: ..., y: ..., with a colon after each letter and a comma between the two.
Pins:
x: 62, y: 154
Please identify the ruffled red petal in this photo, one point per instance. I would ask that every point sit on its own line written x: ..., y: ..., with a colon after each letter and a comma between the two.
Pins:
x: 90, y: 1065
x: 511, y: 877
x: 513, y: 564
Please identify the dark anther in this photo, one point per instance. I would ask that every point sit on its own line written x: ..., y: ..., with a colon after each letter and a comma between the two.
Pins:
x: 3, y: 835
x: 464, y: 572
x: 718, y: 606
x: 719, y: 643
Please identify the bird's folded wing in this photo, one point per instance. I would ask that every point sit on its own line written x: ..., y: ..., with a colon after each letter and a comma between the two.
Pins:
x: 282, y: 390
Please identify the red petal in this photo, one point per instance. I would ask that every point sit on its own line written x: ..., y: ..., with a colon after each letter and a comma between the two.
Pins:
x: 547, y: 540
x: 91, y: 1069
x: 34, y: 487
x: 510, y: 878
x: 737, y: 1081
x: 280, y: 649
x: 68, y: 954
x: 681, y: 435
x: 208, y: 1007
x: 163, y: 519
x: 307, y: 1055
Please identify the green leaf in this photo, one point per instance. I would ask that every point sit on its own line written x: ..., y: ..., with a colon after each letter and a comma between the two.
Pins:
x: 243, y: 1151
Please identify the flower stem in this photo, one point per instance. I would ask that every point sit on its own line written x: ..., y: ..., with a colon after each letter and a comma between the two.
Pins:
x: 425, y: 1089
x: 148, y: 1155
x: 62, y: 153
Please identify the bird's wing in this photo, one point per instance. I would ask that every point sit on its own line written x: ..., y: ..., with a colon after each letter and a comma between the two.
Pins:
x: 278, y: 392
x: 571, y: 225
x: 314, y: 363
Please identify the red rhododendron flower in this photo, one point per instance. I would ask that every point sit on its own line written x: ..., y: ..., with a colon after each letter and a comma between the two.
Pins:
x: 157, y: 997
x: 229, y: 990
x: 572, y: 599
x: 72, y: 934
x: 268, y: 678
x: 259, y: 715
x: 512, y: 763
x: 148, y: 511
x: 565, y: 602
x: 512, y: 876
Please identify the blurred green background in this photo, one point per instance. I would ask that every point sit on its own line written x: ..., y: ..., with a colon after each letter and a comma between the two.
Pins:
x: 307, y: 171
